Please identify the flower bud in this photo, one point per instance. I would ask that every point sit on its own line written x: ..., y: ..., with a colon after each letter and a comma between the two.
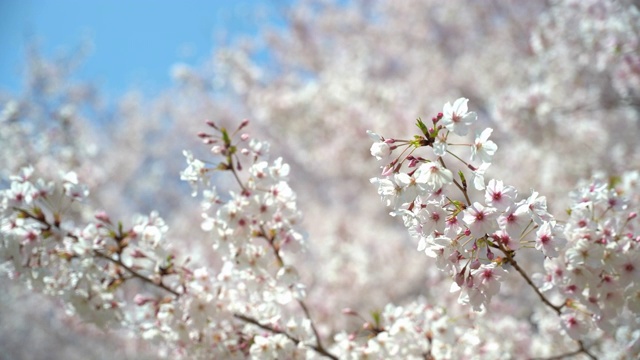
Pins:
x: 349, y: 311
x: 141, y: 300
x: 469, y: 281
x: 475, y: 264
x: 490, y: 255
x: 211, y: 123
x: 102, y: 216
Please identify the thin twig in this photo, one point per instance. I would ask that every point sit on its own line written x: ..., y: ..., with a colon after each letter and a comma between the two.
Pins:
x: 511, y: 261
x: 581, y: 350
x: 557, y: 309
x: 464, y: 192
x: 313, y: 326
x: 136, y: 274
x: 319, y: 349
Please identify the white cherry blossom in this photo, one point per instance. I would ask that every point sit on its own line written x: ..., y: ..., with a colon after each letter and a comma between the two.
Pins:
x: 456, y: 118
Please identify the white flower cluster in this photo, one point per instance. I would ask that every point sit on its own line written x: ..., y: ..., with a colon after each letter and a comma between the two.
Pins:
x: 421, y: 331
x: 463, y: 235
x: 597, y: 276
x: 236, y: 313
x: 52, y: 255
x: 239, y: 312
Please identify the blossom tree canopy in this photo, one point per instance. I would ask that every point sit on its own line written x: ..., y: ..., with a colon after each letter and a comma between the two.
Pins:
x: 234, y: 214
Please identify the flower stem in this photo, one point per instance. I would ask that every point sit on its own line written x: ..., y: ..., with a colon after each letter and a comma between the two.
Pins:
x: 510, y: 260
x: 319, y: 349
x: 558, y: 309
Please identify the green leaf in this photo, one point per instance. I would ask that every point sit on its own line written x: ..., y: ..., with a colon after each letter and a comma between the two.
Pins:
x: 422, y: 127
x: 614, y: 181
x: 464, y: 181
x: 376, y: 318
x: 458, y: 205
x: 225, y: 137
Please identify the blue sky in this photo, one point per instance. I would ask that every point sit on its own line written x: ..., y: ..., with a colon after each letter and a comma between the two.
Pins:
x: 134, y: 43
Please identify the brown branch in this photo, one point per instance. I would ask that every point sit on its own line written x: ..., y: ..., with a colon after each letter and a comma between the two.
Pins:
x: 511, y: 261
x: 313, y: 326
x: 136, y: 274
x: 558, y: 309
x: 42, y: 220
x: 462, y: 189
x: 582, y: 350
x: 319, y: 349
x: 305, y: 309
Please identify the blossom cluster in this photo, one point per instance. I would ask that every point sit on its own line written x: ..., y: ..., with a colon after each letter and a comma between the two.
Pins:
x: 111, y: 275
x: 418, y: 330
x: 472, y: 241
x: 591, y: 261
x: 596, y: 275
x: 253, y: 303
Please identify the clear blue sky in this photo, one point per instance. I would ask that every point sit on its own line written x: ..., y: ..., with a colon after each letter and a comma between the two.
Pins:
x: 134, y: 42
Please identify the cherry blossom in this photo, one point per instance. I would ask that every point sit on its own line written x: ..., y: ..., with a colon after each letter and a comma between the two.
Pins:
x: 457, y: 118
x: 256, y: 279
x: 483, y: 148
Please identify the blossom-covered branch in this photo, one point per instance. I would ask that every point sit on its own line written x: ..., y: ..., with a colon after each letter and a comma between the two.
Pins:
x: 590, y: 261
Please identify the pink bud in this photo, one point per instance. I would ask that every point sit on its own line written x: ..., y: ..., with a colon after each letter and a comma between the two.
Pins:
x: 349, y: 311
x: 137, y: 254
x: 102, y: 216
x: 454, y: 257
x: 475, y: 264
x: 490, y: 255
x: 211, y: 123
x: 141, y: 300
x: 413, y: 162
x: 469, y: 281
